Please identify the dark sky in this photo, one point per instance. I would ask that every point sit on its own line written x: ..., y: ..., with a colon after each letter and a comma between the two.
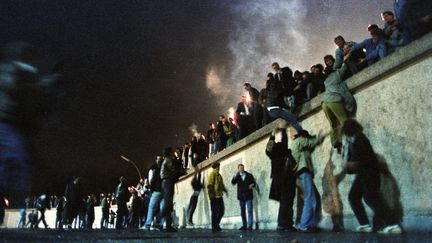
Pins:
x: 139, y: 74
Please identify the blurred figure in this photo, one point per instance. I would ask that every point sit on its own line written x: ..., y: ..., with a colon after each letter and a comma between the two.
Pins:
x: 105, y: 206
x: 73, y: 201
x: 211, y: 138
x: 122, y: 196
x: 245, y: 117
x: 59, y: 213
x: 42, y: 204
x: 22, y: 218
x: 25, y: 96
x: 168, y: 175
x: 90, y: 216
x: 415, y: 18
x: 257, y: 114
x: 196, y: 186
x: 361, y: 160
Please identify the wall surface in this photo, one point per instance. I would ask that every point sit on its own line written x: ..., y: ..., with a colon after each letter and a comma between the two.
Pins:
x: 394, y: 106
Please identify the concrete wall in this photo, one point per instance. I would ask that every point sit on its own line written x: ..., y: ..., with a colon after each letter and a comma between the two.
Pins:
x: 394, y: 106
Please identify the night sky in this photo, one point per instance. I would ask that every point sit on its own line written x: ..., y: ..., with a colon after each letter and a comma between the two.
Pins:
x: 140, y: 75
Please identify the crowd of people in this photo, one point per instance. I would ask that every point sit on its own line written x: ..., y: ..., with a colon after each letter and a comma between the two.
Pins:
x: 151, y: 201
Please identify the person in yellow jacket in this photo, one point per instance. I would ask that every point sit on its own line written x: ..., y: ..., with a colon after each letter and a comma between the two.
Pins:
x: 215, y: 189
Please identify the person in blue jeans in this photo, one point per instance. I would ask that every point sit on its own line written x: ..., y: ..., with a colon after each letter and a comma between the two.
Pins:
x: 155, y: 203
x: 301, y: 148
x: 276, y: 107
x: 245, y: 184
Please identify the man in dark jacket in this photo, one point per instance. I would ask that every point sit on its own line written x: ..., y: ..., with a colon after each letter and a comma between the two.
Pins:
x: 122, y: 196
x: 168, y: 176
x: 283, y: 185
x: 156, y: 195
x: 74, y: 201
x: 245, y: 184
x: 275, y: 105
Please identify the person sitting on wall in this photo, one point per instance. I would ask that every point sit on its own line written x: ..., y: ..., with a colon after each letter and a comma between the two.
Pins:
x: 376, y: 47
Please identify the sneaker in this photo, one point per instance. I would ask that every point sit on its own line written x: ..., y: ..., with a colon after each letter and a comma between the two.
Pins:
x: 391, y: 229
x: 243, y: 228
x: 156, y: 228
x: 364, y: 228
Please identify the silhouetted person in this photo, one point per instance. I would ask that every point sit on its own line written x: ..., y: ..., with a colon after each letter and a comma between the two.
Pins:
x: 105, y: 207
x: 74, y: 201
x: 168, y: 175
x: 42, y: 204
x: 283, y: 185
x: 24, y: 100
x: 196, y: 187
x: 122, y: 197
x: 59, y: 213
x: 362, y: 161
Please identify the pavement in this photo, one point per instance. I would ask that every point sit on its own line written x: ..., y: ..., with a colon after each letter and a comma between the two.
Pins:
x: 202, y: 235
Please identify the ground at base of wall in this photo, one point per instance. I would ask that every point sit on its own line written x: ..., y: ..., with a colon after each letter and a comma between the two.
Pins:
x: 202, y: 235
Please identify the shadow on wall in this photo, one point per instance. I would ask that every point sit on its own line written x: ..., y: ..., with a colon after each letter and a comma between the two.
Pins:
x: 390, y: 190
x: 331, y: 198
x: 205, y: 216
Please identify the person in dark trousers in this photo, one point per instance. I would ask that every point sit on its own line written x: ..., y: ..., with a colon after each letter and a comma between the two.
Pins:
x: 105, y: 206
x: 168, y: 176
x: 90, y: 216
x: 215, y: 190
x: 196, y: 186
x: 362, y: 161
x: 74, y: 201
x: 134, y: 211
x: 122, y: 197
x: 59, y: 213
x: 153, y: 212
x: 283, y: 185
x: 245, y: 184
x: 42, y: 204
